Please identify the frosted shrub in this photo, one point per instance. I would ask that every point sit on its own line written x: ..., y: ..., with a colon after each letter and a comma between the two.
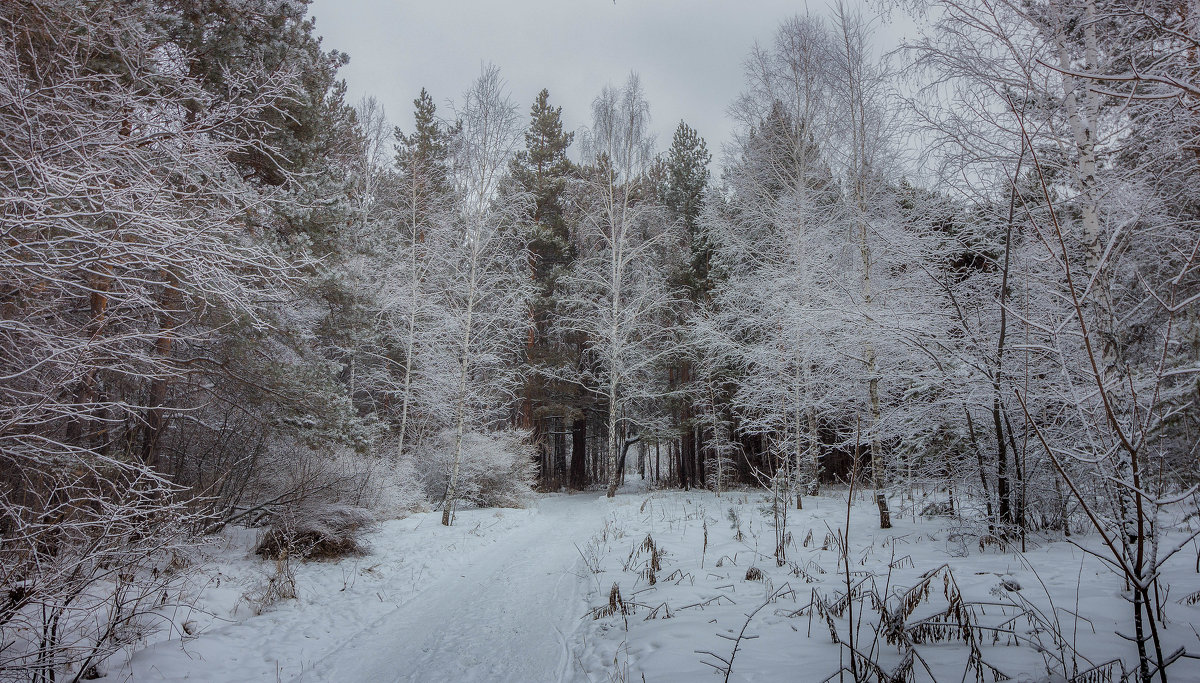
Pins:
x: 314, y: 504
x: 497, y: 467
x: 396, y: 485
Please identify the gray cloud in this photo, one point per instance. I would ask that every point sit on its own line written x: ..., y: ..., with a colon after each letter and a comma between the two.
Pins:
x: 689, y: 53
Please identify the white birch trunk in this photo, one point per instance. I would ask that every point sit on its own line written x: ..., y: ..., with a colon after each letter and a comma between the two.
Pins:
x: 858, y: 170
x: 617, y: 237
x: 413, y: 288
x: 461, y: 403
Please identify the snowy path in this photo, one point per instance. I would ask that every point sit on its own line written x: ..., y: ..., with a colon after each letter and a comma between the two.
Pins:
x: 507, y: 616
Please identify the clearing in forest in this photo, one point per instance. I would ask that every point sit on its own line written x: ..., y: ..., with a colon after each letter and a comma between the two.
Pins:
x: 584, y: 588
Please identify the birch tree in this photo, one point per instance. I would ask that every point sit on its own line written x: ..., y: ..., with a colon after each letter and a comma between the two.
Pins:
x: 1094, y: 354
x: 859, y: 88
x: 778, y: 240
x: 616, y: 294
x: 484, y: 256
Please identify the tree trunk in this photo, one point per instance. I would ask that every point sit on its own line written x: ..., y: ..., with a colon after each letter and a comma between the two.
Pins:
x: 798, y: 451
x: 613, y: 416
x: 86, y: 391
x: 156, y: 419
x: 626, y: 444
x: 987, y: 491
x: 814, y: 446
x: 657, y: 463
x: 1003, y: 493
x: 688, y: 451
x: 560, y: 452
x: 411, y: 332
x: 461, y: 407
x: 1002, y: 484
x: 451, y: 489
x: 579, y: 478
x: 885, y: 516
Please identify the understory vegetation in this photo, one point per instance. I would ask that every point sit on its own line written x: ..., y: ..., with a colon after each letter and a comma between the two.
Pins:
x: 958, y: 281
x: 688, y: 586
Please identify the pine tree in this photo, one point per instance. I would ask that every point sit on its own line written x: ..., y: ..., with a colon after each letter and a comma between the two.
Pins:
x: 682, y: 179
x: 542, y: 171
x: 686, y: 171
x: 306, y: 135
x: 423, y: 200
x: 221, y: 33
x: 422, y: 155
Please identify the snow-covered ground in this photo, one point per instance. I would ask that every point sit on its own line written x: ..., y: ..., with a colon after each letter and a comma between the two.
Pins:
x: 494, y: 597
x: 524, y: 595
x: 682, y: 626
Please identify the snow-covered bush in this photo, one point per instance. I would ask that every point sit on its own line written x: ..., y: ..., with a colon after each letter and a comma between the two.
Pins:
x: 497, y: 467
x: 395, y: 486
x: 317, y: 503
x: 77, y: 587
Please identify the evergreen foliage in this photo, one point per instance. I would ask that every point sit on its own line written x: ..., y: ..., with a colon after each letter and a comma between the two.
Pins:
x: 682, y: 193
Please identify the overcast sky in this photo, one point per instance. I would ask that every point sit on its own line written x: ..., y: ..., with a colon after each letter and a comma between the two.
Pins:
x: 689, y: 53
